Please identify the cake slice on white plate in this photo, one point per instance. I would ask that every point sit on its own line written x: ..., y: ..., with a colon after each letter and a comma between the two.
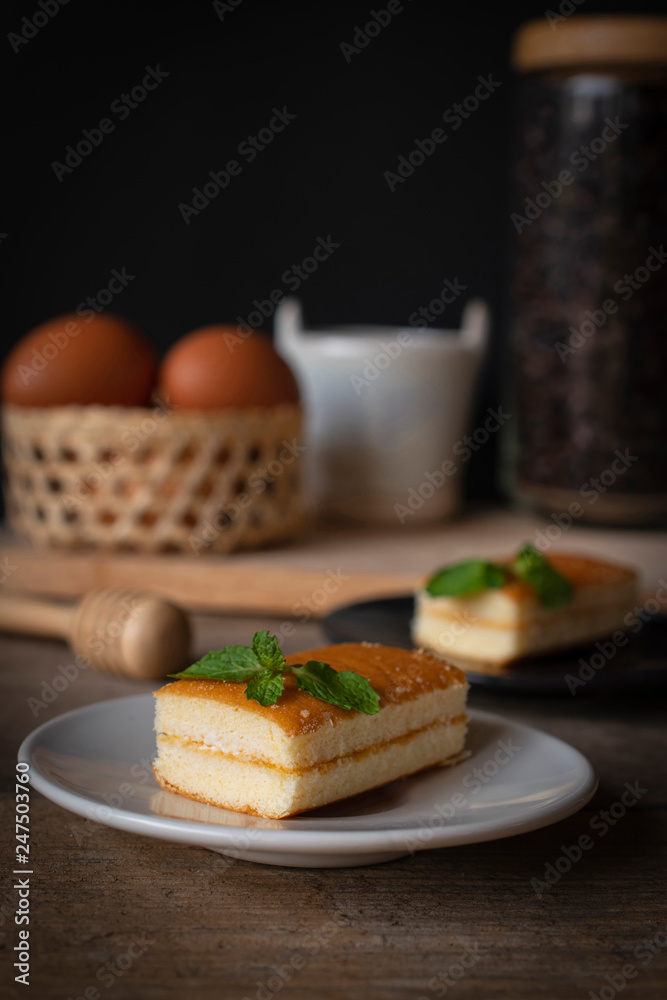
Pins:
x: 483, y: 615
x: 225, y: 742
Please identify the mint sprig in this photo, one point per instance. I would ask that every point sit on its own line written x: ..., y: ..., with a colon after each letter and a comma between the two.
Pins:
x: 344, y: 688
x: 266, y: 649
x: 265, y: 687
x: 262, y: 666
x: 553, y: 590
x: 236, y: 663
x: 468, y: 577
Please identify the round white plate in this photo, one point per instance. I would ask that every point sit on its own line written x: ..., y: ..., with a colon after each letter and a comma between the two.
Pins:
x: 96, y: 761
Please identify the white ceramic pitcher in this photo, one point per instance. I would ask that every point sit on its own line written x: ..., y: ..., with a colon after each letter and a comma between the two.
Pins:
x: 386, y: 412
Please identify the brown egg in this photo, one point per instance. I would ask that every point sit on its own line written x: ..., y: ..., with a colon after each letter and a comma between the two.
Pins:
x: 217, y: 367
x: 104, y: 360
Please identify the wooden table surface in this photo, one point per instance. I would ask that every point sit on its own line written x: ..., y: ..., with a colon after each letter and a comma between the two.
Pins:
x: 464, y: 922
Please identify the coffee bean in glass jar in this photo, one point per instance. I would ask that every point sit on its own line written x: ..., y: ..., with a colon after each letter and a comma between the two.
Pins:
x: 589, y: 342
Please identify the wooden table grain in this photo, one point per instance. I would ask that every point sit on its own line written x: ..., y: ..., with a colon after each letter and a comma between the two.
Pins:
x: 123, y: 916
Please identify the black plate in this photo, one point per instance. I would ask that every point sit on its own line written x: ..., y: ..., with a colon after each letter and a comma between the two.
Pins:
x: 640, y: 664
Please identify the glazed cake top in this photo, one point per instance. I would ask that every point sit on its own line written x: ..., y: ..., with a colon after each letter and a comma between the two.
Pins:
x: 396, y: 674
x: 583, y: 572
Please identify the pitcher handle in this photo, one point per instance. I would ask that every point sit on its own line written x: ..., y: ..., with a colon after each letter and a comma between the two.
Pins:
x: 475, y: 323
x: 288, y: 323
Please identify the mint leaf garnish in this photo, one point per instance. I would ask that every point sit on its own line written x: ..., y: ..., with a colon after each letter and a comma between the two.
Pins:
x: 263, y: 666
x: 266, y: 649
x: 475, y: 575
x: 344, y: 688
x: 470, y: 577
x: 552, y: 589
x: 233, y: 663
x: 265, y: 688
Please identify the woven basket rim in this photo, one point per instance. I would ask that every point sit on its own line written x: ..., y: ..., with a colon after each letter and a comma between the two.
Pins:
x: 98, y: 408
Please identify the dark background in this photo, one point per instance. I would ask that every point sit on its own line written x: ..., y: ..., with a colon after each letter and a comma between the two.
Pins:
x: 323, y: 175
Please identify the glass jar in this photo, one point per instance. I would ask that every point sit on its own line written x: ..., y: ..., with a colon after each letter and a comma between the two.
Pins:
x: 589, y: 346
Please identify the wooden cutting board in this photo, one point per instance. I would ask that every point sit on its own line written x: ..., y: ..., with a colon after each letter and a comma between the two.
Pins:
x: 231, y: 584
x: 323, y: 570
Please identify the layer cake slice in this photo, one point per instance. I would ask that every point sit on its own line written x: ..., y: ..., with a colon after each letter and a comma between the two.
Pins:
x: 488, y: 630
x: 216, y: 746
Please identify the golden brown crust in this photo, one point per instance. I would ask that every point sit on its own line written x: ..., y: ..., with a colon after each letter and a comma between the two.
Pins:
x: 396, y: 674
x: 584, y: 571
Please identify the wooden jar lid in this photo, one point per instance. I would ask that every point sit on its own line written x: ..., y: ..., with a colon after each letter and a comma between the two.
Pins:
x: 590, y: 42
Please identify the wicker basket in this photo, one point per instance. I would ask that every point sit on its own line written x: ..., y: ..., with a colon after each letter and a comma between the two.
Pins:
x: 153, y: 480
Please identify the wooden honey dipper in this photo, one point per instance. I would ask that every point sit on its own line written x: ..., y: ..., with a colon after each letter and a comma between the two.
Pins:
x: 117, y: 629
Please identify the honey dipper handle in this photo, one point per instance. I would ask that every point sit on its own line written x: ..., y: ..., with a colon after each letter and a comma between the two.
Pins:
x: 24, y: 616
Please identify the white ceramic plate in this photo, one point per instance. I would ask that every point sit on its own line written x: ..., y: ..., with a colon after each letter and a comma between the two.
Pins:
x: 95, y: 761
